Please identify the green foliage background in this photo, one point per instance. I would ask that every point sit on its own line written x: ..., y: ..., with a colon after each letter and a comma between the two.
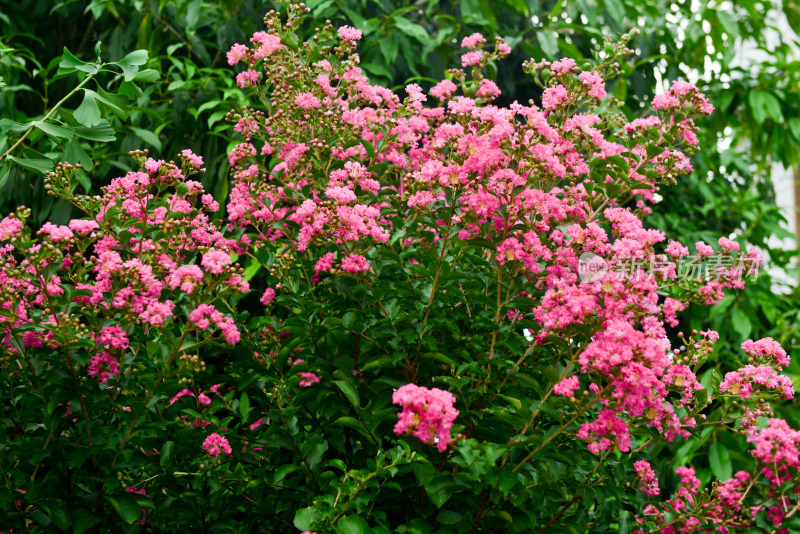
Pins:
x: 185, y: 88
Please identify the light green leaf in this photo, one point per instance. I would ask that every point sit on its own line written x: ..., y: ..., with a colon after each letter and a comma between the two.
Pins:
x: 741, y: 323
x: 5, y: 172
x: 130, y: 64
x: 412, y: 29
x: 548, y: 43
x: 720, y: 461
x: 53, y: 130
x: 303, y: 518
x: 353, y: 525
x: 147, y: 76
x: 88, y: 113
x: 101, y: 132
x: 147, y: 136
x: 38, y: 165
x: 70, y: 63
x: 764, y: 104
x: 616, y: 10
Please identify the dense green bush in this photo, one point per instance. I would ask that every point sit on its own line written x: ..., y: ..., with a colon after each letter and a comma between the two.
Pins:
x: 184, y: 90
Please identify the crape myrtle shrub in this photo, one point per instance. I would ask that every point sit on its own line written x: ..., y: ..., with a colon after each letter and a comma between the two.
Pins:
x: 387, y: 330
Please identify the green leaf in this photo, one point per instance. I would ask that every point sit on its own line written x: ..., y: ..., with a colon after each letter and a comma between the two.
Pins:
x: 353, y: 525
x: 115, y: 102
x: 244, y: 405
x: 616, y: 10
x: 167, y: 453
x: 83, y: 520
x: 350, y: 392
x: 58, y: 513
x: 147, y: 136
x: 412, y: 29
x: 353, y: 423
x: 449, y: 517
x: 741, y: 323
x: 216, y: 116
x: 88, y: 113
x: 720, y: 461
x: 728, y: 23
x: 74, y: 153
x: 130, y: 64
x: 548, y: 43
x: 70, y: 63
x: 101, y: 132
x: 5, y: 172
x: 794, y: 127
x: 55, y: 131
x: 147, y: 76
x: 764, y: 104
x: 303, y: 518
x: 38, y: 165
x: 126, y: 506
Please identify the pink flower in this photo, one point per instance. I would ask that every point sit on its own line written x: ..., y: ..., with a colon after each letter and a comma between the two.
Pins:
x: 592, y: 80
x: 554, y: 96
x: 10, y: 228
x: 443, y: 90
x: 325, y: 262
x: 193, y: 159
x: 103, y: 366
x: 766, y: 350
x: 427, y: 414
x: 266, y: 44
x: 472, y: 41
x: 81, y: 226
x: 307, y: 101
x: 113, y: 337
x: 421, y: 199
x: 214, y: 444
x: 703, y: 249
x: 727, y: 244
x: 237, y: 53
x: 247, y: 78
x: 157, y: 312
x: 471, y: 59
x: 355, y: 263
x: 187, y: 277
x: 268, y: 296
x: 56, y: 233
x: 649, y: 482
x: 309, y: 379
x: 348, y: 33
x: 215, y: 261
x: 567, y: 386
x: 606, y: 431
x: 562, y: 66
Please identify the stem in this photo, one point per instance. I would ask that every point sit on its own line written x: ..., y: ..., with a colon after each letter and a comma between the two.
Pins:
x: 556, y: 433
x: 559, y: 514
x: 46, y: 117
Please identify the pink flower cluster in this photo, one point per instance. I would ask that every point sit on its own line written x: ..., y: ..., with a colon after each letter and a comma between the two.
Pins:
x: 428, y: 414
x: 648, y: 482
x: 215, y: 444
